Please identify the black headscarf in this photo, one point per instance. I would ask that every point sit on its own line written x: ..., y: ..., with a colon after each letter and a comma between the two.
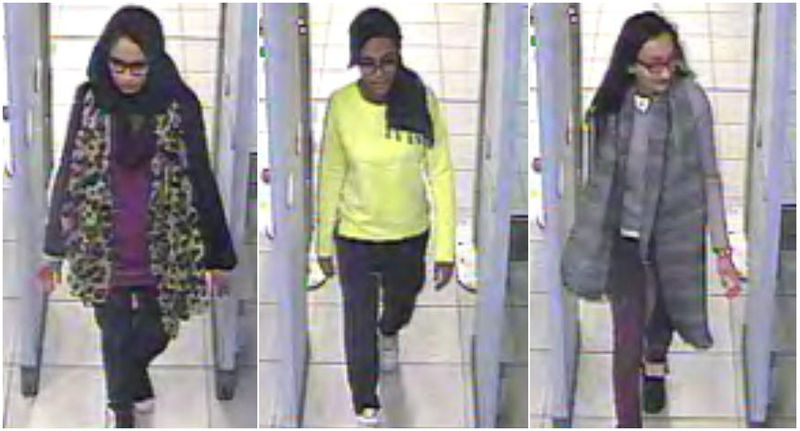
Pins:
x: 133, y: 140
x: 407, y: 105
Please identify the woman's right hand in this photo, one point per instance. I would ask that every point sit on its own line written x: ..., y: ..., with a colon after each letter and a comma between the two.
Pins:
x: 47, y: 276
x: 326, y: 265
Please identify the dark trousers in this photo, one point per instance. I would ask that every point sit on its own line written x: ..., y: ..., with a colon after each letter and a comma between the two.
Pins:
x: 400, y: 265
x: 132, y: 336
x: 638, y: 332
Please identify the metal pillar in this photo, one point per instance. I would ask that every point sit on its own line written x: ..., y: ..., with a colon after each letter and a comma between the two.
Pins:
x: 558, y: 183
x: 28, y: 65
x: 286, y: 46
x: 500, y: 94
x: 236, y: 132
x: 772, y: 98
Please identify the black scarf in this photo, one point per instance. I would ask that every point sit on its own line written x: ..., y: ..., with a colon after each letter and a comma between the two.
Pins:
x: 133, y: 142
x: 407, y: 103
x: 407, y: 107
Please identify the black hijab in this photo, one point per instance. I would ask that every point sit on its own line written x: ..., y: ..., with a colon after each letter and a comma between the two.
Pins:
x: 133, y: 140
x: 407, y: 105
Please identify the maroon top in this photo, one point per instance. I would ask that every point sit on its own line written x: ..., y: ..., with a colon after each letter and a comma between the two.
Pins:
x: 130, y: 187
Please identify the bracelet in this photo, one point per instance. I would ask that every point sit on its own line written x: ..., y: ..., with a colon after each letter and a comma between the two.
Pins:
x: 725, y: 251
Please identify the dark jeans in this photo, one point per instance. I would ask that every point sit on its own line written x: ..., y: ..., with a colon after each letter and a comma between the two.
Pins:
x: 132, y: 336
x: 636, y: 335
x: 401, y: 268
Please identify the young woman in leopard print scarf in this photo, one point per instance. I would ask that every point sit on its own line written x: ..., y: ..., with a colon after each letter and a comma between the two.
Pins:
x: 135, y: 210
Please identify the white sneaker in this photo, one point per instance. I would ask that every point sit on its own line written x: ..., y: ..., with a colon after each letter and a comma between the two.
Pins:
x: 389, y: 348
x: 143, y: 413
x: 370, y: 417
x: 145, y: 406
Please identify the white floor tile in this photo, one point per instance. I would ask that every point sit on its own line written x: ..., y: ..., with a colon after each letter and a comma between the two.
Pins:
x: 268, y: 393
x: 325, y: 332
x: 539, y: 382
x: 593, y: 422
x: 423, y: 396
x: 672, y: 422
x: 431, y: 336
x: 71, y: 335
x: 56, y: 404
x: 182, y: 397
x: 594, y: 393
x: 702, y: 385
x: 327, y: 402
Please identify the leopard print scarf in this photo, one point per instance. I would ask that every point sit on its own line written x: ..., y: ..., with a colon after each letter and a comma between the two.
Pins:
x: 174, y: 240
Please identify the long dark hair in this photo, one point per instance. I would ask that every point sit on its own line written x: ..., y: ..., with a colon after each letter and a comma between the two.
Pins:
x: 636, y: 31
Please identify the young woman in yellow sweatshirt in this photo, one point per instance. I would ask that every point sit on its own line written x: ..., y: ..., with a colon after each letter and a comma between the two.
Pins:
x: 385, y: 181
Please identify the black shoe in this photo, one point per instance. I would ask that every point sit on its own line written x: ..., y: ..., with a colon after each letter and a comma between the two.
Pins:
x: 654, y: 393
x: 123, y: 419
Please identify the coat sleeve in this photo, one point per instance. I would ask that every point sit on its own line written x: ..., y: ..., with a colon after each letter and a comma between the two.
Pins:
x: 53, y: 237
x: 219, y: 251
x: 713, y: 180
x: 439, y: 167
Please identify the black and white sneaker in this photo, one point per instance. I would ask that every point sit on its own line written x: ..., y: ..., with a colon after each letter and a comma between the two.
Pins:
x: 119, y: 419
x: 370, y: 417
x: 654, y: 391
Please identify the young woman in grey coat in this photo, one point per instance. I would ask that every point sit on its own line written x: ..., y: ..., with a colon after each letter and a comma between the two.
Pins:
x: 653, y: 192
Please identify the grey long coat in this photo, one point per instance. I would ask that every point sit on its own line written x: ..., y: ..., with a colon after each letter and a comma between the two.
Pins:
x: 674, y: 213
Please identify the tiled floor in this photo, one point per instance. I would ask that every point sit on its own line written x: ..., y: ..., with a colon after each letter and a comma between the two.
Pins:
x: 705, y: 388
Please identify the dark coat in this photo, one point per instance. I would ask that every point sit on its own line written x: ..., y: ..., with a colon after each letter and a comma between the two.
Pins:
x: 219, y: 251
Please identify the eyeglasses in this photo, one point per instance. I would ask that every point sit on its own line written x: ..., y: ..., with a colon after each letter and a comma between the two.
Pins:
x: 369, y: 66
x: 657, y: 68
x: 135, y: 68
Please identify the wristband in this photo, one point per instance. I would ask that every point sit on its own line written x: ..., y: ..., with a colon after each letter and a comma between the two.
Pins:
x: 722, y: 251
x: 45, y: 273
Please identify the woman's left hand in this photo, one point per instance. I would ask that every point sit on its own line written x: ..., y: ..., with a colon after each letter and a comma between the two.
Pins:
x: 218, y: 282
x: 442, y: 273
x: 731, y: 278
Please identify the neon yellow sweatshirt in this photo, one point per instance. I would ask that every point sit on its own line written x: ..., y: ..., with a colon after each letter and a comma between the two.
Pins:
x: 380, y: 188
